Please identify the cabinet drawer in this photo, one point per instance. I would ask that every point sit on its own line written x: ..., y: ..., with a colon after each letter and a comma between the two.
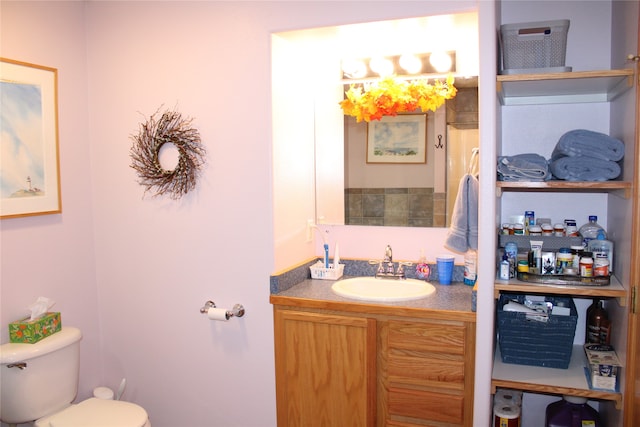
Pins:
x: 441, y: 372
x: 425, y: 405
x: 432, y: 337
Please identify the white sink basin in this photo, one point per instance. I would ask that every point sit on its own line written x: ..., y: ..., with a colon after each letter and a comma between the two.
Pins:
x: 381, y: 289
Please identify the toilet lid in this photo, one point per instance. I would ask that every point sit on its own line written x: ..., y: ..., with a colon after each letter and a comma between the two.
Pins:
x: 100, y: 413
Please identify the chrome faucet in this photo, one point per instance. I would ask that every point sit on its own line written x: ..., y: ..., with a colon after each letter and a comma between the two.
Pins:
x: 387, y: 268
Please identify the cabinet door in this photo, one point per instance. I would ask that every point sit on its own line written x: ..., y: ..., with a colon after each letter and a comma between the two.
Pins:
x: 325, y: 369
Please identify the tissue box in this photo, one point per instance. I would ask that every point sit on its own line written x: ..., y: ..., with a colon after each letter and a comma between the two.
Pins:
x: 31, y: 331
x: 602, y: 366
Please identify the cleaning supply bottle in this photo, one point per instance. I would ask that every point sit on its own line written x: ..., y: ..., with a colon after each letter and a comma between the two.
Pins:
x: 572, y: 411
x: 602, y: 248
x: 589, y: 231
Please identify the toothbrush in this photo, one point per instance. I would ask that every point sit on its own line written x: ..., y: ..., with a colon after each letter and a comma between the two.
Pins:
x: 326, y: 255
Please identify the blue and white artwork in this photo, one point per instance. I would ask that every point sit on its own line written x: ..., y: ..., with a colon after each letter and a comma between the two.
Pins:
x: 22, y: 162
x: 397, y: 139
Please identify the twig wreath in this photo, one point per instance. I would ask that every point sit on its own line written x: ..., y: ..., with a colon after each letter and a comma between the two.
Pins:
x: 170, y: 128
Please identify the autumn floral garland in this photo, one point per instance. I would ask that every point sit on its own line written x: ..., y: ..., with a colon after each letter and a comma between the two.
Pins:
x: 170, y: 128
x: 391, y: 96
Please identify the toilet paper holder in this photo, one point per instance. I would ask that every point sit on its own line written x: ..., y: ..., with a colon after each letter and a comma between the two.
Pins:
x: 237, y: 310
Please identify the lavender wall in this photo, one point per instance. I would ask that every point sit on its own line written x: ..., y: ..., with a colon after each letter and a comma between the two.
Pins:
x: 54, y: 255
x: 132, y: 272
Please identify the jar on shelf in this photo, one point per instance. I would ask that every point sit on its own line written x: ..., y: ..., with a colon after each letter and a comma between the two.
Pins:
x: 586, y: 264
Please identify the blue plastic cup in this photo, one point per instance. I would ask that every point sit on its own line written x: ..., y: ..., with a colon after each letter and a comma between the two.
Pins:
x: 445, y: 268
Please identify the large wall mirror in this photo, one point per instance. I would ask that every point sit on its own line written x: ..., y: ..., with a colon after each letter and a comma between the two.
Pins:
x: 412, y: 194
x: 353, y: 191
x: 311, y: 60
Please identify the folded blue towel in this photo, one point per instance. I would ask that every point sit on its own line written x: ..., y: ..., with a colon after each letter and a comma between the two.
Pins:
x: 463, y: 231
x: 584, y: 168
x: 523, y: 167
x: 581, y: 142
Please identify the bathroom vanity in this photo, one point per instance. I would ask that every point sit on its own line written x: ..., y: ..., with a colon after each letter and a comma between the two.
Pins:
x: 356, y: 363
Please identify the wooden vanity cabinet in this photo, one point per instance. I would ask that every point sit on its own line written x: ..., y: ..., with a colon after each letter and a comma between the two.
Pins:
x: 325, y: 369
x: 336, y: 368
x: 426, y: 371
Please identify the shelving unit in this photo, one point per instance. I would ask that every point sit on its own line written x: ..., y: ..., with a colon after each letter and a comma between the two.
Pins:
x: 614, y: 290
x: 571, y: 381
x: 623, y: 188
x: 570, y: 87
x: 556, y: 88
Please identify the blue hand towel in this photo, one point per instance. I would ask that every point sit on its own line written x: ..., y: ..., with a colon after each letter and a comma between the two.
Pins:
x: 582, y: 142
x: 523, y: 167
x: 584, y: 168
x: 463, y: 231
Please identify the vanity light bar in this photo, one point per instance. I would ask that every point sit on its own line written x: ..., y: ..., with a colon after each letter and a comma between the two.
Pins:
x: 399, y: 65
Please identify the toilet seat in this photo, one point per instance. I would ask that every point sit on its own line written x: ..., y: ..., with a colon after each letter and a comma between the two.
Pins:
x: 98, y: 413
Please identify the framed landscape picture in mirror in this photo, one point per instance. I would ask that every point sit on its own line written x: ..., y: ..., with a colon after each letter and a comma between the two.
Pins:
x: 397, y: 139
x: 29, y: 166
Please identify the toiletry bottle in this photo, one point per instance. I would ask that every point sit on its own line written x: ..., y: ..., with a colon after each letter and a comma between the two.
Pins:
x: 470, y: 267
x: 422, y: 268
x: 511, y: 250
x: 597, y: 330
x: 602, y: 248
x: 336, y: 257
x: 504, y: 268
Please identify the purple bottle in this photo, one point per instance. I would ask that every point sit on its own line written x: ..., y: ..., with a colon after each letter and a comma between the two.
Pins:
x: 571, y: 411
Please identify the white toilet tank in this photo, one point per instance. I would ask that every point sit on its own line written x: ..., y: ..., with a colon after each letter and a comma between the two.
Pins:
x: 39, y: 379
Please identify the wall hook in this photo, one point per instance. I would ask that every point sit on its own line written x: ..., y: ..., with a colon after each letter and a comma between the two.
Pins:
x: 439, y: 144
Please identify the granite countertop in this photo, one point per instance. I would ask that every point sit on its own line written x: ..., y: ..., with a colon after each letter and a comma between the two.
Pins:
x: 454, y: 297
x: 295, y: 288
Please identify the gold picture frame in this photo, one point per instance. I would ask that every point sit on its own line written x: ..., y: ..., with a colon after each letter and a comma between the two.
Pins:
x: 29, y: 160
x: 397, y: 139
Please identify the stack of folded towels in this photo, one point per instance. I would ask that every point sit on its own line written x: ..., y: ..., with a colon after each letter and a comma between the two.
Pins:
x: 523, y: 167
x: 584, y: 155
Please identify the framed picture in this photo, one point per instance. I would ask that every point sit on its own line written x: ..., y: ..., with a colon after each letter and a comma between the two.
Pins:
x: 398, y: 139
x: 29, y: 165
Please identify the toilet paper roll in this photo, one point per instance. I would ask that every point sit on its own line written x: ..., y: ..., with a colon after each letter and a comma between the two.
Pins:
x: 508, y: 397
x: 506, y: 416
x: 217, y: 314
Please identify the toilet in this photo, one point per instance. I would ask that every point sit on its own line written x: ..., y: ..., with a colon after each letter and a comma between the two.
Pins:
x: 39, y: 382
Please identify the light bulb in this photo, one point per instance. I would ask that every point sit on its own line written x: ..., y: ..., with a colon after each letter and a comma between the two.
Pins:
x: 411, y: 63
x: 381, y: 66
x: 354, y: 68
x: 441, y: 61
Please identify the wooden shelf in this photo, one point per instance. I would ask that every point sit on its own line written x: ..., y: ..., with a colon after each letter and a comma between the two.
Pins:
x: 614, y: 290
x: 562, y: 88
x: 571, y: 381
x: 621, y: 187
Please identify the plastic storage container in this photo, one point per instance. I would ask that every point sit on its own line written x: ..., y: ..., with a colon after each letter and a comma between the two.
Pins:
x: 602, y: 248
x: 572, y: 412
x: 589, y: 231
x: 534, y: 47
x: 523, y: 340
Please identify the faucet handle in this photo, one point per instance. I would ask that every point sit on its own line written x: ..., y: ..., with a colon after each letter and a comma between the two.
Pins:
x: 400, y: 271
x: 380, y: 269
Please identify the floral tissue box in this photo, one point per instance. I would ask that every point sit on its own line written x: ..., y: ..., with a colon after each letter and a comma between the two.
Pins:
x: 31, y: 331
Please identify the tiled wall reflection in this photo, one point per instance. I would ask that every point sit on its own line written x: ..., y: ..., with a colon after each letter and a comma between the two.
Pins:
x: 409, y: 207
